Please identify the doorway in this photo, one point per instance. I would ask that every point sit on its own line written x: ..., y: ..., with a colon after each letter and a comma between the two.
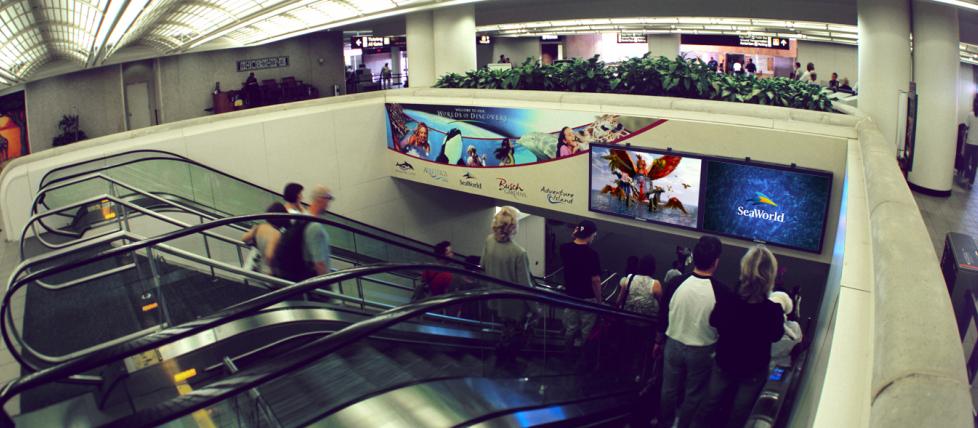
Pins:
x: 548, y: 53
x: 137, y: 106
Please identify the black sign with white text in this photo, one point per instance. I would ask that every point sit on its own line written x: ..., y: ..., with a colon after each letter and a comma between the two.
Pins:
x: 741, y: 41
x: 262, y: 63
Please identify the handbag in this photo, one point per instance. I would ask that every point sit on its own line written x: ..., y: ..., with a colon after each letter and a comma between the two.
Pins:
x: 605, y: 325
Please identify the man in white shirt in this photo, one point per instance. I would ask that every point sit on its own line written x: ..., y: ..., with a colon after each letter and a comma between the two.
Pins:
x: 687, y: 336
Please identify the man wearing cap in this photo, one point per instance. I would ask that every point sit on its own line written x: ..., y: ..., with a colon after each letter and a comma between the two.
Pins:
x: 582, y: 269
x: 316, y: 249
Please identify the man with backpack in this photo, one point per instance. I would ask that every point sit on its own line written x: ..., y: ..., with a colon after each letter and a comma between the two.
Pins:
x: 304, y: 251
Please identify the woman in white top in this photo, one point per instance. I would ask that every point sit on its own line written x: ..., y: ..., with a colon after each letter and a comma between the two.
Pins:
x: 265, y: 238
x: 971, y: 146
x: 639, y: 291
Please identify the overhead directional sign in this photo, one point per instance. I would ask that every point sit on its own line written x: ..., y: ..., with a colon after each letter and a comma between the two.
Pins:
x: 377, y: 44
x: 753, y: 41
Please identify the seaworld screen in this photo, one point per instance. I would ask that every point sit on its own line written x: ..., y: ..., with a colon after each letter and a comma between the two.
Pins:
x: 645, y: 185
x: 766, y: 203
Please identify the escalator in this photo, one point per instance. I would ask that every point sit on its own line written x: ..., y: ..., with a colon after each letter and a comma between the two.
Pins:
x: 442, y: 356
x: 455, y: 359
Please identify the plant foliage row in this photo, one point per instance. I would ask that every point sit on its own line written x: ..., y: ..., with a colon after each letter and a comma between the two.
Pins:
x: 680, y: 77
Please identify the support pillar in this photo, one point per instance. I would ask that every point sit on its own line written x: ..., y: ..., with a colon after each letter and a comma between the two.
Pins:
x: 936, y: 65
x: 421, y: 49
x: 454, y: 34
x: 884, y: 61
x: 666, y: 45
x: 396, y: 65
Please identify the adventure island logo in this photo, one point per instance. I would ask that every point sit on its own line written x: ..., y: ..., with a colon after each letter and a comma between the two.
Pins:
x: 436, y: 174
x: 404, y: 168
x: 469, y: 180
x: 557, y: 196
x: 511, y: 188
x: 757, y: 210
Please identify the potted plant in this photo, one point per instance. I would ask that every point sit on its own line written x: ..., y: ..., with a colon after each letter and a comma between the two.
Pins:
x: 69, y: 131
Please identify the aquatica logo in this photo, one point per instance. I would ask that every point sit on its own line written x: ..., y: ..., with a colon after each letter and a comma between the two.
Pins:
x: 404, y: 168
x: 756, y: 209
x: 469, y: 180
x: 513, y: 189
x: 436, y: 174
x: 557, y: 196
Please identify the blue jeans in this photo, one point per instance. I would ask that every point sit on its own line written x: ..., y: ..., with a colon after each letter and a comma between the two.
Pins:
x: 730, y: 398
x: 686, y: 372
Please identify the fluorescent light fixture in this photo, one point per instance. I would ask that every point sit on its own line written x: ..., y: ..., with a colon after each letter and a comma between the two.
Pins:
x: 959, y: 3
x: 133, y: 9
x: 107, y: 24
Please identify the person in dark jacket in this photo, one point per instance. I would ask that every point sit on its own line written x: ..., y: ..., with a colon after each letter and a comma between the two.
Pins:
x: 747, y: 323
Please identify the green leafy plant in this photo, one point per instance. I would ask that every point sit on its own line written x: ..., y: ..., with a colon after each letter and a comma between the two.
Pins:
x: 660, y: 76
x: 69, y: 131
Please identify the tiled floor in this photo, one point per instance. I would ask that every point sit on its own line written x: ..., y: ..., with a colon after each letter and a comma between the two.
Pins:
x: 952, y: 214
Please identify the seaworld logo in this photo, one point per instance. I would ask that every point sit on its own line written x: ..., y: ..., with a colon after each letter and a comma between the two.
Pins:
x: 404, y: 168
x: 557, y: 196
x: 761, y: 199
x: 436, y: 174
x: 469, y: 180
x: 511, y: 188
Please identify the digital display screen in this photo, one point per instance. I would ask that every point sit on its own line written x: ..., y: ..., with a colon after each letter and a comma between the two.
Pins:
x: 766, y: 203
x: 646, y: 185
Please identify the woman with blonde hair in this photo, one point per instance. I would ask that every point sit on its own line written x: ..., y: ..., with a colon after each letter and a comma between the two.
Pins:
x: 506, y: 260
x: 747, y: 323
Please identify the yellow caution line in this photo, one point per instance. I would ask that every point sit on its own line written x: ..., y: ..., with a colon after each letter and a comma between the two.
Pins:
x: 201, y: 417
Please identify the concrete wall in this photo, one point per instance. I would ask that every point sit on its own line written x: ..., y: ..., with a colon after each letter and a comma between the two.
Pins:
x: 188, y: 80
x: 828, y: 58
x: 94, y: 95
x: 518, y: 49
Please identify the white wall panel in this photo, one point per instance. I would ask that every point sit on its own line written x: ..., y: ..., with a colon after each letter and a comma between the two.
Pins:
x: 237, y: 148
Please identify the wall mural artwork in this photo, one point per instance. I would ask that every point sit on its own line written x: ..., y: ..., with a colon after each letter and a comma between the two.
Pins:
x: 13, y: 127
x: 480, y: 137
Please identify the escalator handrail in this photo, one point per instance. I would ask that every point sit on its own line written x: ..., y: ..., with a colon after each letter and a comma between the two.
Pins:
x: 179, y: 158
x: 365, y: 328
x: 314, y: 351
x: 17, y: 281
x: 92, y: 176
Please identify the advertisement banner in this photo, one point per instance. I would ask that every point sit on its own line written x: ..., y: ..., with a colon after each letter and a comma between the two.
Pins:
x: 767, y: 203
x: 536, y: 157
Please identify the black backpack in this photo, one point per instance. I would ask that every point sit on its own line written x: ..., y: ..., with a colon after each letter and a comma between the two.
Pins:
x: 290, y: 263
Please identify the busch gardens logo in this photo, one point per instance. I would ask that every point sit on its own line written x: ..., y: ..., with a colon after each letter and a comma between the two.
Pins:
x: 511, y: 188
x: 557, y: 196
x: 436, y: 174
x: 468, y: 180
x: 755, y: 211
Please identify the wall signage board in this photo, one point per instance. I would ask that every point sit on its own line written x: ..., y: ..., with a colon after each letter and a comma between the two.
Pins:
x: 760, y: 202
x: 752, y: 41
x: 632, y: 38
x: 377, y: 44
x: 581, y: 163
x: 484, y: 39
x: 551, y: 38
x: 263, y: 63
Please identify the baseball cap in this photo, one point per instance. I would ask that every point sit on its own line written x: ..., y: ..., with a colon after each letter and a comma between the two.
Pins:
x: 784, y: 300
x: 585, y: 229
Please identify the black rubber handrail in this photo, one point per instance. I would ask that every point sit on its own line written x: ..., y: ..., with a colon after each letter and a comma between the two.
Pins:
x: 317, y: 349
x: 5, y: 312
x: 99, y: 358
x: 179, y: 158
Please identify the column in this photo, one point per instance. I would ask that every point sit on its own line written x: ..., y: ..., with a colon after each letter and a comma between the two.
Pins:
x: 936, y: 64
x: 421, y: 49
x: 454, y: 36
x: 396, y: 66
x: 666, y: 45
x: 884, y: 61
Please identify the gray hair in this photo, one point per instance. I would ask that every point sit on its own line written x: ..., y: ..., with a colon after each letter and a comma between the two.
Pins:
x: 505, y: 224
x: 758, y: 270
